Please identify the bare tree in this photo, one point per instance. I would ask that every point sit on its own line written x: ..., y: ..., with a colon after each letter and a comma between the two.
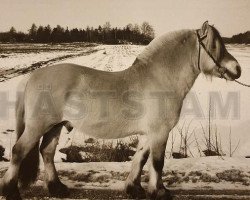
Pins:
x: 173, y: 137
x: 212, y: 142
x: 232, y: 151
x: 197, y: 145
x: 185, y: 142
x: 147, y: 30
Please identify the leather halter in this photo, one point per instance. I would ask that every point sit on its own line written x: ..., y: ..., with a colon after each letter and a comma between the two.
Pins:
x: 222, y: 70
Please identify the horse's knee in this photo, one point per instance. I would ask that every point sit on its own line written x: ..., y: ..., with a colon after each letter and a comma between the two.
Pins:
x: 140, y: 159
x: 48, y: 147
x: 47, y: 156
x: 158, y: 164
x: 43, y: 150
x: 144, y: 156
x: 17, y: 153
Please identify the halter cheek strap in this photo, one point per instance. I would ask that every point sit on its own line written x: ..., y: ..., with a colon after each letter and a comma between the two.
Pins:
x: 222, y: 70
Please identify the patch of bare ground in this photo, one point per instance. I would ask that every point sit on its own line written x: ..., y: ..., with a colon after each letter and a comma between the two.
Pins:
x: 78, y: 193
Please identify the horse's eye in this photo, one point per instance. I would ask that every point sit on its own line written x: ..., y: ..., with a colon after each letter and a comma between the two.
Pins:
x: 214, y: 45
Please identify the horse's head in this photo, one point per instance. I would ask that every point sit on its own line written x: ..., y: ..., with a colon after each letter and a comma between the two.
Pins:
x: 213, y: 58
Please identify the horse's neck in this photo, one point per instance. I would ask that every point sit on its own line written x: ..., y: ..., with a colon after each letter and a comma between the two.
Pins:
x: 171, y: 61
x: 184, y: 81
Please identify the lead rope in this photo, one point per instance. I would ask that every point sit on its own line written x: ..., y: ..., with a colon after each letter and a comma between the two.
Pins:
x: 243, y: 84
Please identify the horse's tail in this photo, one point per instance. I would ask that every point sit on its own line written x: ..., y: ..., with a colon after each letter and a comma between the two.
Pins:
x: 30, y: 165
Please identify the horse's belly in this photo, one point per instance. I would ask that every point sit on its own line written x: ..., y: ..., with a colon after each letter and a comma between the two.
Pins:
x: 108, y: 129
x: 110, y: 120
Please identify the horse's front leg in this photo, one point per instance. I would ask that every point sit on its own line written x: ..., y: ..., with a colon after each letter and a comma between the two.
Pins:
x: 156, y: 188
x: 133, y: 183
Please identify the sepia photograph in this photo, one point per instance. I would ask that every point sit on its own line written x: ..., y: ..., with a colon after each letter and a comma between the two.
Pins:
x: 136, y: 99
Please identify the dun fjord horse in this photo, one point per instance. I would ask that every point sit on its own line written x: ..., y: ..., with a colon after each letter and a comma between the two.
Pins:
x: 169, y: 65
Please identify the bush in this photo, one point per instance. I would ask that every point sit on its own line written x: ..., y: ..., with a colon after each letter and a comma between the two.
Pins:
x: 209, y: 152
x: 208, y: 178
x: 2, y: 150
x: 93, y: 151
x: 72, y: 154
x: 232, y: 175
x: 177, y: 155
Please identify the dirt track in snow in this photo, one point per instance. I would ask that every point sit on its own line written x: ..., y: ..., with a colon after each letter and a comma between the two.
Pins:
x: 24, y: 58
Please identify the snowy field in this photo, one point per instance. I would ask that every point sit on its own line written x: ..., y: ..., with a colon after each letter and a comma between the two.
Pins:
x: 199, y: 173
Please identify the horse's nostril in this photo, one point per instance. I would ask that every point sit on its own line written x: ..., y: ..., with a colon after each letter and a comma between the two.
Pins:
x: 238, y: 71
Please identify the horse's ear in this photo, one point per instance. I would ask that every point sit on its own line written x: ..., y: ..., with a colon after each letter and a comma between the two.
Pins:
x: 204, y: 28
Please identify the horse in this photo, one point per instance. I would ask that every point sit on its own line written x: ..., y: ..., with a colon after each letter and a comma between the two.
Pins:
x: 152, y: 90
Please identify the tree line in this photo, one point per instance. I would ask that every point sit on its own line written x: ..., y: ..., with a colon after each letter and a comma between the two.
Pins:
x: 241, y: 38
x: 131, y: 33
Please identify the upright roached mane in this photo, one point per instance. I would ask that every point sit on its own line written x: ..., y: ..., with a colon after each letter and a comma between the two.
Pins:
x: 169, y: 63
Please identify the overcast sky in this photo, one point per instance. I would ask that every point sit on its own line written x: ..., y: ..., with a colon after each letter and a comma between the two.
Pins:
x: 229, y: 16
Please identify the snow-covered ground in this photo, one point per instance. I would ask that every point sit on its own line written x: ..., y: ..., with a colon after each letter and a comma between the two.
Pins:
x: 18, y: 59
x: 207, y: 173
x: 188, y: 173
x: 191, y: 173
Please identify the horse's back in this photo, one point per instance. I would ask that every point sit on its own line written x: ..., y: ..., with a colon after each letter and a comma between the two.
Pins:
x: 68, y: 74
x: 56, y: 72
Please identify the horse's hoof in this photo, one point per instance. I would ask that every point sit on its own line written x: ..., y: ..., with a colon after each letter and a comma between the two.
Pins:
x: 58, y: 189
x: 10, y: 190
x: 1, y: 186
x: 14, y: 196
x: 160, y: 194
x: 135, y: 191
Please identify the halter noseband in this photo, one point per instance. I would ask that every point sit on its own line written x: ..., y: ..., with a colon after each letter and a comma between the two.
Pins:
x: 222, y: 70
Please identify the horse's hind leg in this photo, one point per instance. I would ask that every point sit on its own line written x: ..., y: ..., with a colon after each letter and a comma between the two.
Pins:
x: 23, y: 146
x: 133, y: 183
x: 47, y: 149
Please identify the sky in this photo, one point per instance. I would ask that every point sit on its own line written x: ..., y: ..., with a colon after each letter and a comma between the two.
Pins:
x: 229, y: 16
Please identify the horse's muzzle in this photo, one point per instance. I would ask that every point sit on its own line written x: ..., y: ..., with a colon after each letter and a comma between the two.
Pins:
x: 236, y: 73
